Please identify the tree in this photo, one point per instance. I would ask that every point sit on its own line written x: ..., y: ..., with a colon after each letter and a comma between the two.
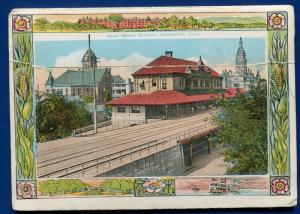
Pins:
x: 174, y: 21
x: 57, y: 117
x: 243, y: 128
x: 116, y: 18
x: 88, y: 99
x: 41, y: 24
x: 192, y: 22
x: 106, y: 98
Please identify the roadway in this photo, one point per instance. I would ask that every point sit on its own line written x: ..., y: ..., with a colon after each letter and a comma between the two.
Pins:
x: 92, y: 155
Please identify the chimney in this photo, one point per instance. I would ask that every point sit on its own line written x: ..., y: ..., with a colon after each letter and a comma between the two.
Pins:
x: 169, y: 53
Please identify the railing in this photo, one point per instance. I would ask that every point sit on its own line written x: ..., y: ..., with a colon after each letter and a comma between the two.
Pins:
x: 106, y: 126
x: 91, y: 127
x: 128, y: 155
x: 175, y: 114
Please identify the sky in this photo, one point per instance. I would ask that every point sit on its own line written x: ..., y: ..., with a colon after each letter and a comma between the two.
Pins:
x: 126, y: 56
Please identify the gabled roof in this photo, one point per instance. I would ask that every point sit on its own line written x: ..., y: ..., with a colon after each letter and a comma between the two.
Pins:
x: 89, y: 56
x: 171, y: 65
x: 168, y: 97
x: 78, y: 77
x: 165, y: 65
x: 118, y: 79
x: 50, y: 79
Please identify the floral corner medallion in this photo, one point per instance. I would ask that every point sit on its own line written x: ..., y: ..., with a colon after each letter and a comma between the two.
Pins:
x: 26, y: 189
x: 277, y: 20
x: 280, y: 186
x: 21, y: 23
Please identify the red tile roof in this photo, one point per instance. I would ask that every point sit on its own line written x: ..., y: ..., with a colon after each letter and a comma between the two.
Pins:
x: 165, y: 98
x: 170, y: 65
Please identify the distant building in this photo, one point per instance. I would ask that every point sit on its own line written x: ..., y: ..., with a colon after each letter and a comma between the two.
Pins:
x: 121, y: 87
x: 81, y: 82
x: 243, y: 77
x: 133, y: 23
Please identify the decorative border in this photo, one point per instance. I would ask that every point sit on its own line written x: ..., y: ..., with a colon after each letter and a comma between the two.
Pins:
x: 26, y: 147
x: 278, y: 96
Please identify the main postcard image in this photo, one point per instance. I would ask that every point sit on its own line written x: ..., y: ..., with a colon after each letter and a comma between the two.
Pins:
x: 151, y: 107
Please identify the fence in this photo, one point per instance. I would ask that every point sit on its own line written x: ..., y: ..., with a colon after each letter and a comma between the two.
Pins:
x: 106, y: 126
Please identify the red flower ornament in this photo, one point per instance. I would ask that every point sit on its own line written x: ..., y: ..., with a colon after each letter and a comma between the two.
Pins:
x: 26, y: 190
x: 21, y: 23
x: 280, y: 186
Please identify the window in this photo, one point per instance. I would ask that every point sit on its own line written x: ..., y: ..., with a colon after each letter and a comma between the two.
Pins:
x: 153, y: 82
x: 181, y: 81
x: 121, y: 109
x: 142, y: 84
x: 67, y: 91
x: 135, y: 109
x: 123, y: 91
x: 201, y: 83
x: 119, y: 91
x: 195, y: 83
x: 164, y: 83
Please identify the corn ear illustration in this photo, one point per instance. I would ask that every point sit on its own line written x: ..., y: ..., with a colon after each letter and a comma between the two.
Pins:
x: 24, y: 106
x: 279, y: 126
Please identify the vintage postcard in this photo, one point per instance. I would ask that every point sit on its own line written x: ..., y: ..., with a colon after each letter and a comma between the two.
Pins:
x: 152, y: 108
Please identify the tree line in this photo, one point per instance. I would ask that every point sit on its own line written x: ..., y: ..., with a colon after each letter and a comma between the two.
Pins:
x: 170, y: 23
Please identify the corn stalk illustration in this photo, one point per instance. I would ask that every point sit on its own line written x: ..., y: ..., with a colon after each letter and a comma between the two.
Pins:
x: 279, y: 126
x: 24, y: 106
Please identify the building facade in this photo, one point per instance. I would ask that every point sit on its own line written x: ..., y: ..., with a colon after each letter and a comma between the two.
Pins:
x: 242, y: 77
x: 81, y: 83
x: 168, y: 73
x: 169, y: 87
x: 121, y: 87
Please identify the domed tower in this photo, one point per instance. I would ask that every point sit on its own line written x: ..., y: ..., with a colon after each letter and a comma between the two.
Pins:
x: 89, y: 59
x: 241, y: 61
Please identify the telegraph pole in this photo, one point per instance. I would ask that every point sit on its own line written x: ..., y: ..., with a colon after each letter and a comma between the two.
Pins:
x: 95, y: 104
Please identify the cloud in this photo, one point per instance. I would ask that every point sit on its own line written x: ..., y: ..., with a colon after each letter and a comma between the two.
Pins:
x: 123, y: 67
x: 71, y: 60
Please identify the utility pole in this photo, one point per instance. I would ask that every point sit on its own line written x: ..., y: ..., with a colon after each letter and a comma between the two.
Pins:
x: 95, y: 104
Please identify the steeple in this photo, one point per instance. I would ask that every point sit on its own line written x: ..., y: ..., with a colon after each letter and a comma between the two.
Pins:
x: 241, y: 61
x: 241, y: 43
x: 50, y: 80
x: 89, y: 59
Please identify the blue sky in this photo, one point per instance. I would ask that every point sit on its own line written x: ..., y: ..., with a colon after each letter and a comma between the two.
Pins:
x: 213, y: 50
x: 126, y: 56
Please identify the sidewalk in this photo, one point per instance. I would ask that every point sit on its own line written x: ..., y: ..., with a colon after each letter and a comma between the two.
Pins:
x: 209, y: 164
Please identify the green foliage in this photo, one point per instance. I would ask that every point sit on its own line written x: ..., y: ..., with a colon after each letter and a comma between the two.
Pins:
x: 57, y: 117
x: 171, y: 23
x: 43, y: 24
x: 107, y: 97
x: 88, y: 99
x: 115, y: 185
x: 61, y: 187
x: 25, y: 118
x: 279, y: 128
x: 116, y: 18
x: 243, y: 128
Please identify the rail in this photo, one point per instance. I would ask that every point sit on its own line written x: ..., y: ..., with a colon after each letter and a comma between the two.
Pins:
x: 139, y: 151
x: 105, y: 127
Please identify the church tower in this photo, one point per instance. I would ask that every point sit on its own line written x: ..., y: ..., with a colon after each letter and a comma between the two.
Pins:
x: 89, y: 59
x: 241, y: 61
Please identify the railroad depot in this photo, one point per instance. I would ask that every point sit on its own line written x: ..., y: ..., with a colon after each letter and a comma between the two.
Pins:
x: 170, y: 87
